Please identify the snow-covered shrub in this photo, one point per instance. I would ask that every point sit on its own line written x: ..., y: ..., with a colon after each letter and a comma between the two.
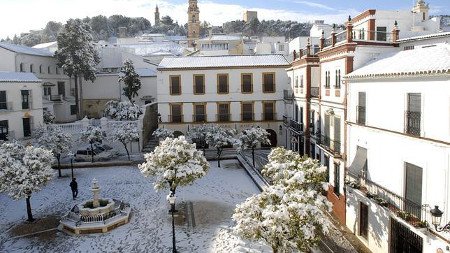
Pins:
x: 198, y: 134
x: 49, y: 118
x: 92, y: 135
x: 175, y: 162
x: 125, y: 134
x: 288, y: 214
x: 55, y: 139
x: 162, y: 133
x: 24, y: 170
x: 218, y: 137
x: 250, y: 138
x: 122, y: 110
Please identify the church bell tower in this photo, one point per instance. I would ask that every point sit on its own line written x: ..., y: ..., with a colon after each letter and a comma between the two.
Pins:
x: 193, y: 23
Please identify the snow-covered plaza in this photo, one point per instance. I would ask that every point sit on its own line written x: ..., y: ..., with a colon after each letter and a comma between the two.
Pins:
x: 207, y: 206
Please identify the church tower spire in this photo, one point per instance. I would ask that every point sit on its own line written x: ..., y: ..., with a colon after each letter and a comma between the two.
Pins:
x: 156, y: 15
x: 193, y: 23
x: 421, y: 8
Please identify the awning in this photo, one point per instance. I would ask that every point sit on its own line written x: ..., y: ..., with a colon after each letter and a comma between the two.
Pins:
x: 359, y: 164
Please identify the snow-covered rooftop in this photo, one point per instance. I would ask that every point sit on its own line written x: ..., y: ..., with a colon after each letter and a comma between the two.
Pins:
x: 18, y: 77
x: 223, y: 61
x: 25, y: 50
x: 45, y: 45
x: 220, y: 37
x: 428, y: 60
x: 148, y: 49
x: 427, y: 36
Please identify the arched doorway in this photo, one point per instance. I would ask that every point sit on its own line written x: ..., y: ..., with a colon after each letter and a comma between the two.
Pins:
x: 272, y: 138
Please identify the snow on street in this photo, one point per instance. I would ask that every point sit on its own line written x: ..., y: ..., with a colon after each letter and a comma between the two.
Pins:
x: 213, y: 198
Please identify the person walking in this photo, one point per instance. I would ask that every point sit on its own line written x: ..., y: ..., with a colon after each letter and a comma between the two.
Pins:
x: 74, y: 187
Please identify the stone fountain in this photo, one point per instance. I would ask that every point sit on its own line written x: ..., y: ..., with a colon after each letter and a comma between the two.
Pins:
x: 96, y: 215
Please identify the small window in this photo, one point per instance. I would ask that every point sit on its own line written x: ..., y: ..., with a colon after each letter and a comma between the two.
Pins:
x: 222, y: 83
x: 268, y: 82
x: 40, y: 69
x: 176, y: 113
x: 381, y: 33
x: 47, y: 91
x: 247, y: 111
x: 3, y: 103
x: 21, y: 66
x: 223, y: 114
x: 413, y: 114
x: 361, y: 112
x: 338, y: 79
x: 73, y: 109
x: 337, y: 176
x: 175, y: 85
x: 327, y: 79
x: 199, y: 84
x: 49, y: 70
x: 4, y: 130
x: 363, y: 220
x: 31, y: 68
x: 301, y: 81
x: 268, y: 111
x: 25, y: 99
x: 247, y: 83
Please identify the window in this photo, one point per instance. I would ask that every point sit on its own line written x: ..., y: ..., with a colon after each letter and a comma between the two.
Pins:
x: 268, y: 82
x: 57, y: 70
x: 4, y: 130
x: 3, y: 104
x: 326, y: 131
x: 247, y: 83
x: 362, y: 34
x: 363, y: 220
x: 281, y: 47
x: 326, y: 163
x: 176, y: 113
x: 31, y: 68
x: 296, y: 113
x: 21, y: 66
x: 73, y: 109
x: 337, y: 176
x: 26, y: 127
x: 337, y: 135
x: 223, y: 114
x: 49, y: 70
x: 361, y: 113
x: 413, y: 114
x: 40, y: 69
x: 312, y: 116
x: 247, y: 111
x: 413, y: 189
x: 381, y: 33
x: 338, y: 79
x: 199, y: 84
x: 268, y: 111
x: 301, y: 116
x: 301, y: 81
x: 222, y: 83
x: 199, y: 113
x: 175, y: 85
x: 296, y: 82
x: 47, y: 91
x: 327, y: 79
x: 25, y: 99
x: 312, y: 150
x: 61, y: 89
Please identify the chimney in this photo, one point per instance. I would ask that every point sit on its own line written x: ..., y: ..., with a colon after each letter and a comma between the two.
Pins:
x: 395, y: 32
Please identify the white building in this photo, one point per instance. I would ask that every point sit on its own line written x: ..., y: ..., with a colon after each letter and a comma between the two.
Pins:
x: 272, y: 45
x: 220, y: 44
x: 57, y: 87
x: 20, y: 105
x: 233, y: 91
x: 398, y: 144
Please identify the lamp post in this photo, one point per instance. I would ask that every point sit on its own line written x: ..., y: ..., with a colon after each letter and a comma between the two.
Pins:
x: 171, y: 198
x: 436, y: 217
x: 71, y: 156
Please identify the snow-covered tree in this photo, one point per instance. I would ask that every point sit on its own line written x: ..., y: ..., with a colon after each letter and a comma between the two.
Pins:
x: 131, y: 80
x: 250, y: 138
x: 175, y: 162
x: 288, y: 214
x: 24, y: 170
x: 198, y: 135
x: 56, y: 140
x: 92, y: 135
x: 163, y: 133
x: 76, y: 54
x: 122, y: 110
x: 218, y: 137
x: 49, y: 118
x: 125, y: 134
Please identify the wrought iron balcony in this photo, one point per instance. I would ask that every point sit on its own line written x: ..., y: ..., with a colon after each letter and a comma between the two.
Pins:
x: 331, y: 145
x: 412, y: 123
x: 248, y: 116
x: 175, y: 118
x: 315, y: 92
x: 269, y: 116
x: 288, y: 95
x: 223, y: 117
x: 199, y: 118
x: 296, y: 126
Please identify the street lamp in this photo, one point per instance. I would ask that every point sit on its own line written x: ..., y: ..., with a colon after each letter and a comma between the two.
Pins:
x: 171, y: 198
x: 436, y: 217
x: 71, y: 156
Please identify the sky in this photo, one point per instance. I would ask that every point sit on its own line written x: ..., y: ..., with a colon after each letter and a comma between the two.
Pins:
x: 18, y: 16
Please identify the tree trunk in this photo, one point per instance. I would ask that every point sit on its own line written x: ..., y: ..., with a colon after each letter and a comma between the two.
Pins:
x: 219, y: 152
x: 30, y: 215
x: 92, y: 153
x: 77, y: 103
x: 126, y: 149
x: 81, y: 98
x: 253, y: 156
x: 58, y: 157
x: 274, y: 249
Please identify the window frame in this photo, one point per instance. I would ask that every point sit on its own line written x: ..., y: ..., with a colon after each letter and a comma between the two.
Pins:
x: 218, y: 104
x: 337, y: 179
x: 252, y: 113
x: 242, y: 83
x: 273, y: 103
x: 363, y: 228
x: 218, y: 83
x: 179, y: 85
x: 194, y: 86
x: 274, y: 89
x: 181, y: 112
x: 194, y: 107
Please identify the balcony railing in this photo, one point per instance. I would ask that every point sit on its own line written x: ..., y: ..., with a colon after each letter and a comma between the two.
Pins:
x: 342, y: 36
x: 327, y: 42
x: 361, y: 115
x: 315, y: 92
x: 6, y: 106
x: 55, y: 98
x: 248, y: 116
x: 389, y: 199
x: 331, y: 145
x: 286, y: 120
x: 412, y: 123
x: 199, y: 118
x: 288, y: 95
x: 365, y: 35
x: 223, y: 117
x: 269, y: 116
x: 175, y: 118
x: 296, y: 126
